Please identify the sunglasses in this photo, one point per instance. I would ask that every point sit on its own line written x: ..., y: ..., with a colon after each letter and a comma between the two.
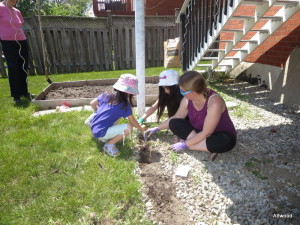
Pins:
x: 184, y: 92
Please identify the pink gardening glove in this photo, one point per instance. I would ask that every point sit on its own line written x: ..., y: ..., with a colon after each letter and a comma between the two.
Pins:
x: 178, y: 146
x: 148, y: 133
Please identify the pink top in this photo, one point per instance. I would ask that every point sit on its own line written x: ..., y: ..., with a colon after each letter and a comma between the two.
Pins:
x: 11, y: 22
x: 197, y: 118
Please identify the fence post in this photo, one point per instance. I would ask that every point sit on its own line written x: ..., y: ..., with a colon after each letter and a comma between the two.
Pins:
x: 35, y: 43
x: 111, y: 39
x: 177, y: 25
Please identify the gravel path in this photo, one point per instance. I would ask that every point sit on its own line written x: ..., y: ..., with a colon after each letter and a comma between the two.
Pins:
x: 255, y: 183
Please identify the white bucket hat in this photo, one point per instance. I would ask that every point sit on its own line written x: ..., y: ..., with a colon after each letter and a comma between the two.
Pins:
x: 168, y: 78
x: 127, y: 83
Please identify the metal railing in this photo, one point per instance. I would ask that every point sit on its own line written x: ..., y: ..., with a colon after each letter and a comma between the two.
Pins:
x: 200, y: 19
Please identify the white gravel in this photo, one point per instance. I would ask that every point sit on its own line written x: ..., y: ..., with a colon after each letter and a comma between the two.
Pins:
x: 255, y: 183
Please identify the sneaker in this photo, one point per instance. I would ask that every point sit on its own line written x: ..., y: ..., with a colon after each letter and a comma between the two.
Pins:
x: 111, y: 150
x: 17, y: 100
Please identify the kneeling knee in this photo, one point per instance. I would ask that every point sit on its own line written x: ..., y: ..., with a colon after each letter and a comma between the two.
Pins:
x: 173, y: 124
x: 128, y: 130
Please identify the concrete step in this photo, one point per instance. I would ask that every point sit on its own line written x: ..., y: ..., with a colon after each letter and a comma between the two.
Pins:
x: 203, y: 65
x: 257, y: 2
x: 201, y: 71
x: 287, y: 3
x: 232, y: 30
x: 216, y: 50
x: 242, y: 17
x: 209, y: 58
x: 262, y: 31
x: 272, y: 18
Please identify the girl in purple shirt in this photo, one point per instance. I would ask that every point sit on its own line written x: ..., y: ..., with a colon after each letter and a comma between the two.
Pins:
x: 209, y: 128
x: 109, y: 108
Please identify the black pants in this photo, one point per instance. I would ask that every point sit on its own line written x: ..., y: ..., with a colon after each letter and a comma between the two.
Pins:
x: 219, y: 142
x: 17, y: 66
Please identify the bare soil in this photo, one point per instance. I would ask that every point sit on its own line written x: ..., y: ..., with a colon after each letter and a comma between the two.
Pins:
x: 90, y: 91
x: 160, y: 187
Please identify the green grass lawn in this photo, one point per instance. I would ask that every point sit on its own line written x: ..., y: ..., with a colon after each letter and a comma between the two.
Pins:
x: 51, y: 167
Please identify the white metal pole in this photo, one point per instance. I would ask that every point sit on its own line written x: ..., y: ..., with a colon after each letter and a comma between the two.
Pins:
x: 140, y: 53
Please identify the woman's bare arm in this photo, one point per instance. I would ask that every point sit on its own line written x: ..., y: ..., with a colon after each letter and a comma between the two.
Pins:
x: 151, y: 110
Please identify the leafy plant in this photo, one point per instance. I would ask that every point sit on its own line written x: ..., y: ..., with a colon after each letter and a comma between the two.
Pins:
x: 253, y: 165
x: 173, y: 156
x: 243, y: 112
x: 257, y: 174
x: 250, y: 164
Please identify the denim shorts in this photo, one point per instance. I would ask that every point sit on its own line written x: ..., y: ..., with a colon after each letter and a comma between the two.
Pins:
x: 114, y: 131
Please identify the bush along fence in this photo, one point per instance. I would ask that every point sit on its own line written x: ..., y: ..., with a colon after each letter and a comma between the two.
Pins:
x: 82, y: 44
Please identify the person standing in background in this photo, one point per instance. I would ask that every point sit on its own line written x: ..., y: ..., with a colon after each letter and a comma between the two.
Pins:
x: 15, y: 49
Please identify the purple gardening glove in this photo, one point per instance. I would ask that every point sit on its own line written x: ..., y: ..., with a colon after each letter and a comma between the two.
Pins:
x: 178, y: 146
x: 149, y: 132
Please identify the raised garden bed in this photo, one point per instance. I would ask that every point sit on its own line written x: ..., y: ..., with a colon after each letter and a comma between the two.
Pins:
x: 79, y: 93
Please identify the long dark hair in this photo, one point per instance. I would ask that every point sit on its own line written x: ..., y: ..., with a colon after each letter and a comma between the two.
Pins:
x: 171, y: 101
x: 119, y: 97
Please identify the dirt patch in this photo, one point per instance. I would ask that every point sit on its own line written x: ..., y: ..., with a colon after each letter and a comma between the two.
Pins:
x: 160, y: 189
x: 147, y: 155
x: 91, y: 91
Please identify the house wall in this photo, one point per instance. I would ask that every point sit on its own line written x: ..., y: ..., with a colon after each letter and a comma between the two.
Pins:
x: 269, y: 74
x: 152, y: 8
x: 270, y: 57
x: 286, y: 89
x: 103, y: 13
x: 276, y: 49
x: 162, y: 7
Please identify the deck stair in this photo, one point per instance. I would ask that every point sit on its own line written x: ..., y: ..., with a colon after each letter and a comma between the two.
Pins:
x: 256, y: 28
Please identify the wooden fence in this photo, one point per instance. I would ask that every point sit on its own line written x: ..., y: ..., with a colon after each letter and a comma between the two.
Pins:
x: 81, y: 44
